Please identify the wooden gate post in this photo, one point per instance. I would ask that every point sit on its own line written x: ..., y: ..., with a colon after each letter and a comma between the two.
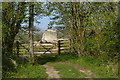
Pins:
x: 17, y: 46
x: 70, y: 45
x: 58, y: 47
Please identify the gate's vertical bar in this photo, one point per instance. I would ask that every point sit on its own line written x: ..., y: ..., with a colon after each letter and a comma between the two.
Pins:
x: 58, y: 47
x: 17, y: 45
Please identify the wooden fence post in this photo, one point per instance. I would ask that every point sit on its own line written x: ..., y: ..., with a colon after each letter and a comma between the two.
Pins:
x: 17, y: 45
x: 58, y: 47
x: 70, y: 45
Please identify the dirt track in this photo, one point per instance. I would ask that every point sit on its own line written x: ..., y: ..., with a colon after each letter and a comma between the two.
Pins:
x: 52, y: 73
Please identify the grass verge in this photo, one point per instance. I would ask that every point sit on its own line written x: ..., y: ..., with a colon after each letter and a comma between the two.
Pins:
x: 28, y: 71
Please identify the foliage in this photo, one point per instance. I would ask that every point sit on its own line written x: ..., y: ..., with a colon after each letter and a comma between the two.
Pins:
x: 38, y: 36
x: 13, y: 15
x: 28, y: 71
x: 90, y: 25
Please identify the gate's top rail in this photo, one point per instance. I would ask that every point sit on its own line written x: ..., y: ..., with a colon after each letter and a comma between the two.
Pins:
x: 47, y: 44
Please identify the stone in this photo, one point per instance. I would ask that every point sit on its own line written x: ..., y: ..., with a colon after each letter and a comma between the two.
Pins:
x: 49, y: 35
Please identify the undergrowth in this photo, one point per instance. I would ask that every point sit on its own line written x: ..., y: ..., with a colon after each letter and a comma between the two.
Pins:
x: 26, y: 70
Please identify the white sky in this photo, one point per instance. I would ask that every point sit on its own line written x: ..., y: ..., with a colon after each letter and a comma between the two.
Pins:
x: 43, y: 23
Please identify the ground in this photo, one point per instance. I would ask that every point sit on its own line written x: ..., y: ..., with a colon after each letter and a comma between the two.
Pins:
x: 66, y: 66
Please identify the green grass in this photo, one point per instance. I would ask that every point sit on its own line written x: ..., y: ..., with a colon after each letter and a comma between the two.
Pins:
x: 100, y: 69
x: 44, y: 58
x: 29, y: 71
x: 67, y: 71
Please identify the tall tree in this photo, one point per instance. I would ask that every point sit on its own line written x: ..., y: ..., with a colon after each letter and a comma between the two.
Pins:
x: 91, y: 26
x: 13, y: 15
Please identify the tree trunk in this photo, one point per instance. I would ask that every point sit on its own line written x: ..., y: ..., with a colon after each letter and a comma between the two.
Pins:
x: 31, y: 24
x: 77, y: 28
x: 8, y: 46
x: 118, y: 38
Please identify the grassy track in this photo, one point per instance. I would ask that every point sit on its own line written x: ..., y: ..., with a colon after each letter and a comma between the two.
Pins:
x: 100, y: 69
x: 67, y: 71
